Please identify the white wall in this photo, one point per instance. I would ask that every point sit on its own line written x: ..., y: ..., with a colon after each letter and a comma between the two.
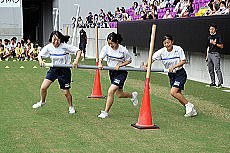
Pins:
x: 196, y: 67
x: 10, y: 23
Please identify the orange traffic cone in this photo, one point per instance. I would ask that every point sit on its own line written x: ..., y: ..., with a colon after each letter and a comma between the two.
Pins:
x: 96, y: 93
x: 145, y: 115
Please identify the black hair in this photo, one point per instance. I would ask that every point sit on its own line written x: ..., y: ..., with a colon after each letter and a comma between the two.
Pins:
x: 6, y: 40
x: 14, y: 38
x: 169, y: 37
x: 66, y: 38
x: 213, y: 25
x: 36, y: 45
x: 1, y: 40
x: 59, y: 35
x: 115, y: 37
x: 223, y: 2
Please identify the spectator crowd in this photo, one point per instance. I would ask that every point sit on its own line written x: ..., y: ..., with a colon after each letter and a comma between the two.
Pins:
x: 155, y: 9
x: 21, y: 50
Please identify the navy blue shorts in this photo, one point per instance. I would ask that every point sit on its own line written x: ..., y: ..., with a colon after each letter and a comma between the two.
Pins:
x: 82, y: 47
x: 118, y: 77
x: 62, y: 74
x: 178, y: 79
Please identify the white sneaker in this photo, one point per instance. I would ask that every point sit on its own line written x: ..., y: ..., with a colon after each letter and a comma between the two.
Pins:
x: 72, y: 110
x: 134, y: 98
x: 38, y: 104
x: 193, y: 113
x: 103, y: 114
x: 189, y: 110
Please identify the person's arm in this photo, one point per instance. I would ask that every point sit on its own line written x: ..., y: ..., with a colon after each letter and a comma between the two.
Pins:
x: 206, y: 57
x: 102, y: 56
x: 122, y: 64
x: 181, y: 63
x: 78, y: 55
x: 100, y: 63
x: 41, y: 62
x: 43, y: 53
x: 216, y: 44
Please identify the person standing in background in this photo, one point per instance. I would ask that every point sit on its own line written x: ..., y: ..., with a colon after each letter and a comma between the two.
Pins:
x: 215, y: 45
x: 83, y: 42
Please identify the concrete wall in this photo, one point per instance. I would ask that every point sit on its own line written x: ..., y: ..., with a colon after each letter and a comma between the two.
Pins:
x: 10, y: 23
x: 196, y: 66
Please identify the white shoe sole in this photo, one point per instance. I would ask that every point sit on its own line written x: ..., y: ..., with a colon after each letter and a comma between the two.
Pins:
x: 191, y: 114
x: 135, y: 100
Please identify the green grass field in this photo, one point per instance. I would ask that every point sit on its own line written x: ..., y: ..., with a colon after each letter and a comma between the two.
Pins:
x: 52, y: 129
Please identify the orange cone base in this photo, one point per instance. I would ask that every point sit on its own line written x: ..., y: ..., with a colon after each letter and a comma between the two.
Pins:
x: 149, y: 127
x: 96, y: 97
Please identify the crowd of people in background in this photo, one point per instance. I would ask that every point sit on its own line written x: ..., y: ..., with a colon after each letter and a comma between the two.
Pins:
x: 21, y: 50
x: 156, y: 9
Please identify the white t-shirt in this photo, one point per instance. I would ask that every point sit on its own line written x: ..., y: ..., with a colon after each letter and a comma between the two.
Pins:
x: 59, y: 55
x: 170, y: 59
x: 115, y: 57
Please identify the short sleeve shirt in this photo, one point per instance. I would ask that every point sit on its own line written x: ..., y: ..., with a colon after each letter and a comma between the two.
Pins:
x: 59, y: 55
x: 213, y: 48
x: 170, y: 59
x: 115, y: 57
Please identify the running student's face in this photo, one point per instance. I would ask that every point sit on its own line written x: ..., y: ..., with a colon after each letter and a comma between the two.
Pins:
x: 168, y: 43
x: 55, y: 41
x: 212, y: 30
x: 113, y: 45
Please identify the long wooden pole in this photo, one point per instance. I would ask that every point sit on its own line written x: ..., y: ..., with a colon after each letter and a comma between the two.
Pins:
x: 96, y: 41
x: 151, y: 50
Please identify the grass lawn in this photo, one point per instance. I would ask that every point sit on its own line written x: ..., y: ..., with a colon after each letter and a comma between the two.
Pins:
x: 52, y: 129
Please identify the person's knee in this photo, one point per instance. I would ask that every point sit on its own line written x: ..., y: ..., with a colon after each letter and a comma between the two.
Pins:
x: 43, y: 89
x: 111, y: 92
x: 66, y: 93
x: 173, y: 93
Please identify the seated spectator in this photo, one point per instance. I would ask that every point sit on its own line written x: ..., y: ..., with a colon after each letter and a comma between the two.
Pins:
x: 144, y: 5
x: 7, y: 50
x: 150, y: 15
x: 102, y: 22
x: 208, y: 9
x: 89, y: 20
x: 122, y: 9
x: 102, y: 13
x: 167, y: 14
x: 136, y: 8
x: 143, y: 15
x: 153, y: 9
x: 175, y: 2
x: 222, y: 10
x: 214, y: 6
x: 187, y: 11
x: 117, y: 11
x: 18, y: 51
x: 161, y: 4
x: 181, y: 6
x: 80, y: 23
x: 168, y: 3
x: 96, y: 20
x: 29, y: 47
x: 24, y: 49
x: 155, y: 3
x: 126, y: 17
x: 13, y: 46
x: 109, y: 16
x: 33, y: 53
